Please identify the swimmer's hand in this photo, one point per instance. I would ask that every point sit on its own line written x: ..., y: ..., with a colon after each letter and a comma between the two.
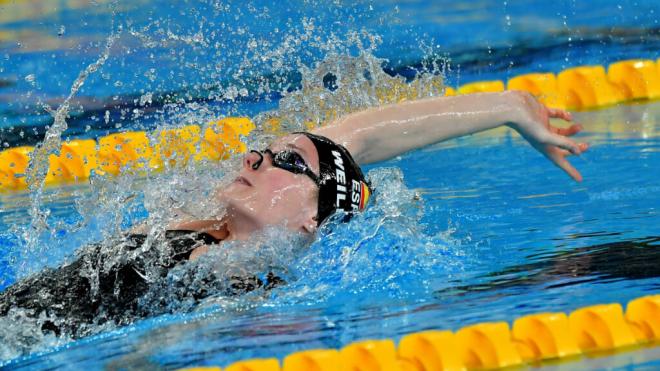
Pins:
x: 532, y: 121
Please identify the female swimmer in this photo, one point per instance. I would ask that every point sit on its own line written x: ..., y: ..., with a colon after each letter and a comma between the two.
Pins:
x: 296, y: 183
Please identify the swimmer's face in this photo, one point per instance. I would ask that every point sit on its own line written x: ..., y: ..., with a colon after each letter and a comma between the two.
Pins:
x: 272, y: 196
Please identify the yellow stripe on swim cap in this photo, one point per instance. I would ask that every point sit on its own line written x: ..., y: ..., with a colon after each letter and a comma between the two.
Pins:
x: 364, y: 196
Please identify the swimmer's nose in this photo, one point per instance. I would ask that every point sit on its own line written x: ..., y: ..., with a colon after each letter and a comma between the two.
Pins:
x: 253, y: 160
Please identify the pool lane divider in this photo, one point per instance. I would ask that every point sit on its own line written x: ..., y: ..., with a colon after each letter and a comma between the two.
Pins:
x: 128, y: 152
x: 577, y: 88
x: 531, y: 340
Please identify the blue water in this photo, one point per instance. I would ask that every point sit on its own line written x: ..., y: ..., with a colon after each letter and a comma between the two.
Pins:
x: 478, y: 229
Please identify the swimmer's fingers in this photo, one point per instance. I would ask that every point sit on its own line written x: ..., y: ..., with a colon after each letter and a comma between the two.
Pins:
x: 558, y: 157
x: 583, y: 147
x: 559, y: 114
x: 569, y: 169
x: 569, y: 131
x: 566, y: 143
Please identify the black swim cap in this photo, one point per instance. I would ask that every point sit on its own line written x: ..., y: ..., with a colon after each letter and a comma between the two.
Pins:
x: 342, y: 184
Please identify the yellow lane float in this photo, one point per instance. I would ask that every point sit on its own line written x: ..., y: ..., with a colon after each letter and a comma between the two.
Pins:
x: 637, y: 79
x: 544, y: 336
x: 315, y: 359
x: 132, y: 152
x: 541, y: 85
x: 13, y: 165
x: 643, y: 315
x: 588, y: 87
x: 269, y: 364
x: 126, y: 151
x: 487, y: 345
x: 600, y: 327
x: 481, y: 87
x: 431, y: 350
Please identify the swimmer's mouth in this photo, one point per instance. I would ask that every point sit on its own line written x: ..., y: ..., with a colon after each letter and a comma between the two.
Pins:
x: 242, y: 180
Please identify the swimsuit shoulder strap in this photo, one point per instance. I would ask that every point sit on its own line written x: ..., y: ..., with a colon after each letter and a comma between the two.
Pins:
x: 183, y: 242
x: 193, y: 235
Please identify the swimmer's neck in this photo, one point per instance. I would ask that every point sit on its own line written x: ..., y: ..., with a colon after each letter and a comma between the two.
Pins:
x: 229, y: 227
x: 218, y: 229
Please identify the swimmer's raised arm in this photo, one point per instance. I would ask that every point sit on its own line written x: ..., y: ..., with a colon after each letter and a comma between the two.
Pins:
x: 383, y: 132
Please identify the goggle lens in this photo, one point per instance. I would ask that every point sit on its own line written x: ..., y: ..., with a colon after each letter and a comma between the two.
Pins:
x: 291, y: 161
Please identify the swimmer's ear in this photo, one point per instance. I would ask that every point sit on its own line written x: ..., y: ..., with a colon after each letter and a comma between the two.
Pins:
x: 310, y: 228
x: 311, y: 225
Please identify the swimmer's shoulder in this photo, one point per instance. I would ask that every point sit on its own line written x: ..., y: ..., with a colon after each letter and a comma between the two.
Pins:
x: 178, y: 218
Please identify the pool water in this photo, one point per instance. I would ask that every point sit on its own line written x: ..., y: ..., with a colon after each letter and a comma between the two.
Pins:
x: 471, y: 230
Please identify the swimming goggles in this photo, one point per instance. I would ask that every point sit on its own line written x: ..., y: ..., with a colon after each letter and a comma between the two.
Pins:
x: 287, y: 160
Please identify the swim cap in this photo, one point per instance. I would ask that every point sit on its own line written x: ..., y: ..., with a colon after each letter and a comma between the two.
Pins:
x: 342, y: 184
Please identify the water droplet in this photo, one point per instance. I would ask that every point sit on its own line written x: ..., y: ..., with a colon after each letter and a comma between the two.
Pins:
x: 31, y: 78
x: 145, y: 99
x: 151, y: 74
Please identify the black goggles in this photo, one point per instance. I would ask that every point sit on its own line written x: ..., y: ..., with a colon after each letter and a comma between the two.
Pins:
x: 287, y: 160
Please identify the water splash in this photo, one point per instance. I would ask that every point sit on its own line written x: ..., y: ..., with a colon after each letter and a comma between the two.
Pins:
x: 38, y: 167
x: 382, y: 252
x: 21, y: 334
x: 348, y: 79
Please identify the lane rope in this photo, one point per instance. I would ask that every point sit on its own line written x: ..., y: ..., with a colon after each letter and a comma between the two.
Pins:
x: 531, y: 339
